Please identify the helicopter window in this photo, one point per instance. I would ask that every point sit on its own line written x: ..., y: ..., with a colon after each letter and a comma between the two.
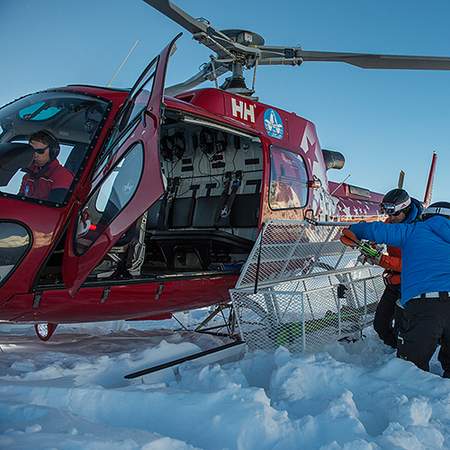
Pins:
x: 14, y: 184
x: 70, y: 121
x: 288, y: 180
x: 39, y: 111
x: 64, y: 153
x: 110, y: 198
x: 105, y: 157
x: 359, y: 191
x: 132, y: 109
x: 14, y: 243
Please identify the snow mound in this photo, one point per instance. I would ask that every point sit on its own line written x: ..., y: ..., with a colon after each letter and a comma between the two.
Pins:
x: 70, y: 394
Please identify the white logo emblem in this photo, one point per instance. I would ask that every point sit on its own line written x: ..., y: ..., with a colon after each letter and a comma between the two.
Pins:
x: 273, y: 124
x: 243, y: 110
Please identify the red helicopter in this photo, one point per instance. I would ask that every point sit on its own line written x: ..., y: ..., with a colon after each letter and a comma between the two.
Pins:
x: 169, y: 186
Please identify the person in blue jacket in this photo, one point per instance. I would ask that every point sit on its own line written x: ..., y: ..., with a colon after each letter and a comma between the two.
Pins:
x: 425, y: 282
x: 399, y: 208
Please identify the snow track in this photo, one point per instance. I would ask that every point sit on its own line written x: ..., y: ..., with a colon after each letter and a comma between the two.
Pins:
x: 70, y: 394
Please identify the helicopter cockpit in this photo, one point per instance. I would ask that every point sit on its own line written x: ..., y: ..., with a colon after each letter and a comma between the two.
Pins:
x: 73, y: 119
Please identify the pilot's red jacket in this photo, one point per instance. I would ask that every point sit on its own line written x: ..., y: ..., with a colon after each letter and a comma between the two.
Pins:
x: 39, y: 182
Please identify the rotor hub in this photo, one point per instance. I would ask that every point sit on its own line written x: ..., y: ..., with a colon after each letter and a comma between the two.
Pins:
x: 244, y: 37
x: 236, y: 85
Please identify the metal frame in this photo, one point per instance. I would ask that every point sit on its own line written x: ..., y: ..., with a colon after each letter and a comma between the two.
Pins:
x: 301, y: 288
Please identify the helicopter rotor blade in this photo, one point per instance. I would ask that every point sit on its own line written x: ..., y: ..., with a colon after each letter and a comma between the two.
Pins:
x: 179, y: 16
x: 201, y: 30
x: 374, y: 61
x: 274, y: 55
x: 237, y: 49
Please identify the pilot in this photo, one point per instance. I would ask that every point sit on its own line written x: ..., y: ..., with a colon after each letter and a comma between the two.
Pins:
x: 46, y: 178
x: 425, y: 288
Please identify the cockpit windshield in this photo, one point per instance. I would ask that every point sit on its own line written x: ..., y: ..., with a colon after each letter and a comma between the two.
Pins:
x: 44, y: 139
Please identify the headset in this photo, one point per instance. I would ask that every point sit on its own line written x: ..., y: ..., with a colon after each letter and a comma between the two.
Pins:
x: 173, y: 147
x: 212, y: 142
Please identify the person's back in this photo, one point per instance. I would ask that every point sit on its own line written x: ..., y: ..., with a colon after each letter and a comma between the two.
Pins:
x: 425, y: 281
x: 426, y: 257
x: 425, y: 250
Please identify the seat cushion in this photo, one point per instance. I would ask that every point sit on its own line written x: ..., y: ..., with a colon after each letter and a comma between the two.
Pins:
x: 182, y: 211
x: 206, y: 210
x: 245, y: 210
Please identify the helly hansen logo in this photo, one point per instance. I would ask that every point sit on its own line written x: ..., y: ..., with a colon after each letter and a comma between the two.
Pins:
x: 243, y: 110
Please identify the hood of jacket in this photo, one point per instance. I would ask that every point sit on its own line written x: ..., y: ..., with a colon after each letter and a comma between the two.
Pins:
x: 415, y: 211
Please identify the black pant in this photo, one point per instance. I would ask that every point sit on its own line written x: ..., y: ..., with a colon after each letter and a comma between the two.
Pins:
x: 424, y: 324
x: 386, y: 313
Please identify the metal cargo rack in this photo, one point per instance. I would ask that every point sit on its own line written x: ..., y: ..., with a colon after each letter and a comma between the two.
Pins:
x: 301, y: 288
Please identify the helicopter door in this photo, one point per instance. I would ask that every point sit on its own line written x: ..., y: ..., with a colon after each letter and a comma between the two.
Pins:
x: 127, y: 179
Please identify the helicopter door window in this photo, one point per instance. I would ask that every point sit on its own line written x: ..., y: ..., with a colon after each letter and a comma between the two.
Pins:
x: 288, y: 180
x: 109, y: 199
x: 132, y: 109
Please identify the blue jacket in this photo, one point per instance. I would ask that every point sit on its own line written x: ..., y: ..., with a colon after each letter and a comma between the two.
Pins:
x: 414, y: 212
x: 425, y: 252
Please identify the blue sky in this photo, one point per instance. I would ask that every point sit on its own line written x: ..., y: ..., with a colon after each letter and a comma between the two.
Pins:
x: 383, y: 121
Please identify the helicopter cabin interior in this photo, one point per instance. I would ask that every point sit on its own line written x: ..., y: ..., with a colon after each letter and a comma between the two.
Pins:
x: 207, y: 219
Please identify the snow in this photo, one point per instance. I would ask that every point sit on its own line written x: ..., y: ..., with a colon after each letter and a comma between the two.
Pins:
x: 69, y: 394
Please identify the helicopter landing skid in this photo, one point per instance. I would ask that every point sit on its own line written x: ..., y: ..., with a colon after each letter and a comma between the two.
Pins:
x: 221, y: 321
x: 222, y: 352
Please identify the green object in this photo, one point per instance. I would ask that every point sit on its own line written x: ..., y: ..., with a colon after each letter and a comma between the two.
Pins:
x: 368, y: 250
x: 289, y: 332
x: 365, y: 248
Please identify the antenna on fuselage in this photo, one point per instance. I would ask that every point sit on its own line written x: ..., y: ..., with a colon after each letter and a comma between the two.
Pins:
x: 341, y: 183
x: 430, y: 180
x: 401, y: 179
x: 123, y: 63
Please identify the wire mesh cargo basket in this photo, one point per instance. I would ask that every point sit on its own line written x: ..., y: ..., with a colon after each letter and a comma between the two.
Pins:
x: 301, y: 288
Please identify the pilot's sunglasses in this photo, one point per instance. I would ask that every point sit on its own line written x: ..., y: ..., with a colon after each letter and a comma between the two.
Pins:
x: 41, y: 151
